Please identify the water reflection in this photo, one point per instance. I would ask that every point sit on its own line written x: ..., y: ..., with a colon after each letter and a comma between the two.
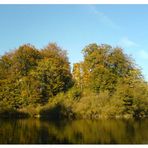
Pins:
x: 35, y: 131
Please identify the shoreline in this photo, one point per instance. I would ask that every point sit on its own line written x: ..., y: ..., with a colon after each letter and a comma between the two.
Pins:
x: 38, y: 116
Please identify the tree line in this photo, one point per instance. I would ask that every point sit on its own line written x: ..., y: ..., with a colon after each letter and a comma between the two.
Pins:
x: 107, y: 83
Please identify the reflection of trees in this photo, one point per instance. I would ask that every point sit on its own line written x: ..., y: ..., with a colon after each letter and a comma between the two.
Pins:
x: 21, y: 131
x: 110, y: 131
x: 79, y: 131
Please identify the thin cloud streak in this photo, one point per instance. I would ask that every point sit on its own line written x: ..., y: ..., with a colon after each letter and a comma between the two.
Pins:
x: 103, y: 17
x: 126, y: 42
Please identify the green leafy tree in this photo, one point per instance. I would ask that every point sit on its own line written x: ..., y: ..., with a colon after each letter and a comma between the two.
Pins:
x: 25, y: 58
x: 106, y: 65
x: 53, y: 72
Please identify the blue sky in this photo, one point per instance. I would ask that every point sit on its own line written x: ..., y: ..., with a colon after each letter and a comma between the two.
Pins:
x: 73, y: 27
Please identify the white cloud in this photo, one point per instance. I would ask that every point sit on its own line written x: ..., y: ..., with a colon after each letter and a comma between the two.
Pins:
x: 125, y: 42
x: 102, y: 17
x: 143, y: 54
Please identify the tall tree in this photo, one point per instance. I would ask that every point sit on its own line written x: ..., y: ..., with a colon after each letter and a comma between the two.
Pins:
x: 53, y: 72
x: 105, y: 65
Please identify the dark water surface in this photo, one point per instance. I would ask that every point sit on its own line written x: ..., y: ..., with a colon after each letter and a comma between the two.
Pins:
x: 36, y: 131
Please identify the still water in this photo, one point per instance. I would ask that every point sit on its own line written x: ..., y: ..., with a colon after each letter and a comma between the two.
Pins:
x: 35, y: 131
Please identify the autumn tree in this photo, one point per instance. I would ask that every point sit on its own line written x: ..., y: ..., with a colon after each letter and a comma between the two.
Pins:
x: 105, y: 66
x: 52, y: 75
x: 31, y: 76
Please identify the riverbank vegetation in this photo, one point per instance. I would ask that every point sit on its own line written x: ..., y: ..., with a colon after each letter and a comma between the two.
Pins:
x: 41, y: 83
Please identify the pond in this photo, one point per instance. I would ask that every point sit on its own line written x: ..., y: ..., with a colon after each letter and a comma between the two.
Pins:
x: 36, y: 131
